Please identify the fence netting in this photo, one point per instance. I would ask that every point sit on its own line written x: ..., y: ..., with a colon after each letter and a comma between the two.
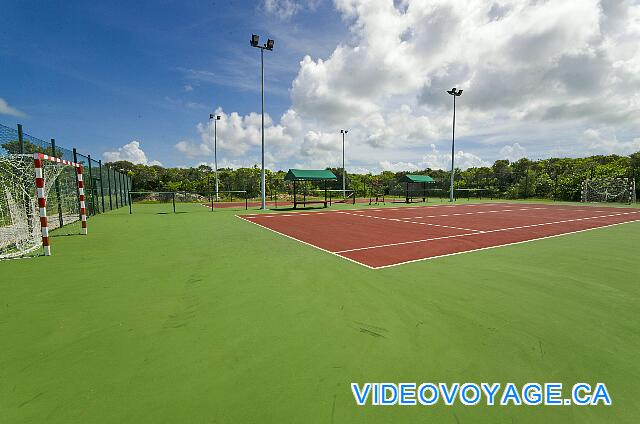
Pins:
x: 105, y: 189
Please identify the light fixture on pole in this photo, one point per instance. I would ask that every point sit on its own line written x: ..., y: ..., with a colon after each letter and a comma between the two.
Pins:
x: 215, y: 118
x: 455, y: 93
x: 255, y: 42
x: 344, y: 184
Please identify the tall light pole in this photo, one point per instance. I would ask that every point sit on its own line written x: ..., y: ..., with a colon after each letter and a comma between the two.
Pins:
x: 344, y: 184
x: 215, y: 118
x: 255, y: 42
x: 455, y: 94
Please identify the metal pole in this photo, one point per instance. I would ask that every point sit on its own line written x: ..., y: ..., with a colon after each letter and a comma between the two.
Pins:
x: 91, y: 193
x: 453, y: 141
x: 215, y: 149
x: 116, y: 184
x: 109, y: 182
x: 101, y: 185
x: 263, y: 185
x: 20, y: 139
x: 344, y: 186
x: 57, y: 185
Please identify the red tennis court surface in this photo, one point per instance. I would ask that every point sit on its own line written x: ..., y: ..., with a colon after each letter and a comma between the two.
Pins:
x: 378, y: 238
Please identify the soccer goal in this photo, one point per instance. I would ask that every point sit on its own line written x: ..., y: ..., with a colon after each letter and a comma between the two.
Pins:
x: 621, y: 190
x: 29, y: 184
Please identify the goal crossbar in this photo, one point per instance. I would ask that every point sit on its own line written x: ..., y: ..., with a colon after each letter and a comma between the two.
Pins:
x: 38, y: 159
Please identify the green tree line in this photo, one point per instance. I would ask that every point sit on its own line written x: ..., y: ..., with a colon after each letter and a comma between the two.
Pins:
x: 554, y: 178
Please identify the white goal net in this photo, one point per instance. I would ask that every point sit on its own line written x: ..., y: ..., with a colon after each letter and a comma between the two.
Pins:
x: 21, y: 229
x: 621, y: 190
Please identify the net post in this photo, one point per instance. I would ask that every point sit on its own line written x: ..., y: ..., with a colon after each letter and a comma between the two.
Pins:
x: 246, y: 200
x: 130, y: 202
x: 174, y: 201
x: 42, y: 203
x: 57, y: 186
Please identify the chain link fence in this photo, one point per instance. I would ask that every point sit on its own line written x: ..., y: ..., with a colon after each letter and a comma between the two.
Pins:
x: 106, y: 189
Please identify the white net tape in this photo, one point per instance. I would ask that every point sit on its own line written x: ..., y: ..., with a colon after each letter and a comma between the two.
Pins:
x: 20, y: 232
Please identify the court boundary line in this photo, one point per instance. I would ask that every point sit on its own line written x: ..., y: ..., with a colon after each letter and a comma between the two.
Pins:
x: 502, y: 245
x: 308, y: 244
x: 480, y: 232
x: 438, y: 256
x: 302, y: 212
x: 409, y: 222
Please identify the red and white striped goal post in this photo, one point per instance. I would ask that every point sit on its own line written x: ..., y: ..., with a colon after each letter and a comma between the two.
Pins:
x: 42, y: 201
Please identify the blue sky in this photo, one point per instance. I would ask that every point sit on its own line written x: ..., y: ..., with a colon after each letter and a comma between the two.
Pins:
x: 137, y: 80
x: 98, y: 75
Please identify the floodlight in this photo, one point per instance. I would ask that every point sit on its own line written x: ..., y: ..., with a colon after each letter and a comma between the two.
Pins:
x: 267, y: 46
x: 210, y: 116
x: 455, y: 93
x: 217, y: 117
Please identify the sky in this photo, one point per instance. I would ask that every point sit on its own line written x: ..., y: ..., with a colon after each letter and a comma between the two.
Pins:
x: 137, y: 80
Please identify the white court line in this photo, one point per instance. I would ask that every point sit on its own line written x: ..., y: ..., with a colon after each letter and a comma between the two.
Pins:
x: 302, y: 213
x: 409, y: 222
x: 497, y: 211
x: 482, y: 232
x: 439, y: 256
x: 304, y: 242
x: 499, y: 245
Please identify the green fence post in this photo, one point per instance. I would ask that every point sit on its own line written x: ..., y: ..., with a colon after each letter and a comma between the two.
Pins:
x: 109, y: 185
x: 101, y: 185
x: 115, y: 187
x: 20, y: 139
x: 122, y: 190
x: 93, y: 205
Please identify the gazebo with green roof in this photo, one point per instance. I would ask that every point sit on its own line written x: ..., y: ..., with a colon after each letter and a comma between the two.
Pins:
x: 316, y: 175
x: 411, y: 181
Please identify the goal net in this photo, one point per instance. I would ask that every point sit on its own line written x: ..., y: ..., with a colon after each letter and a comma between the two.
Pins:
x: 38, y: 193
x: 621, y: 190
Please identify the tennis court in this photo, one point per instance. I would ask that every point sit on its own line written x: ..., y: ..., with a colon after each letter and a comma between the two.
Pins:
x: 378, y: 238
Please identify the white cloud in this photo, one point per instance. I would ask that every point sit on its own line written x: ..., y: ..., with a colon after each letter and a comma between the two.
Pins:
x: 436, y: 160
x: 285, y: 9
x: 131, y: 152
x: 540, y: 72
x: 599, y: 143
x: 513, y: 152
x: 5, y: 109
x: 188, y: 87
x: 282, y: 8
x: 386, y: 165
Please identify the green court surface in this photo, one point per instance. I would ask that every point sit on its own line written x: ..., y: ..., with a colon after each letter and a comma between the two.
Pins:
x: 201, y: 317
